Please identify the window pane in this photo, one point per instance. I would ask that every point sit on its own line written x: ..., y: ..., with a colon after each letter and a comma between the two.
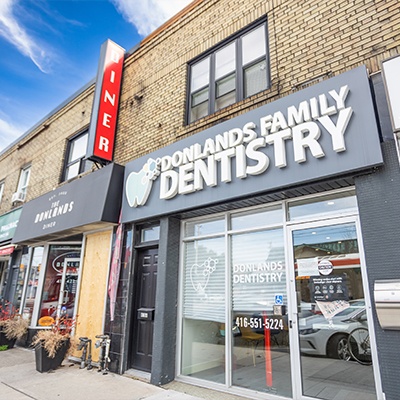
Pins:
x: 72, y: 171
x: 325, y: 206
x: 200, y: 75
x: 226, y: 85
x: 225, y: 61
x: 256, y: 219
x: 200, y: 97
x: 255, y: 78
x: 32, y: 284
x: 78, y: 148
x: 199, y: 111
x: 259, y: 273
x: 258, y: 279
x: 253, y: 45
x: 203, y: 350
x: 60, y: 257
x: 225, y: 101
x: 149, y: 234
x: 205, y: 227
x: 87, y: 165
x: 225, y: 91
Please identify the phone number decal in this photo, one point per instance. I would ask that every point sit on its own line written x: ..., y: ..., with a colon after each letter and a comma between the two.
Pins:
x: 259, y: 323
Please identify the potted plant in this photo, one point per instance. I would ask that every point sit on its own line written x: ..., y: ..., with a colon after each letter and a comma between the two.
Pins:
x: 53, y: 344
x: 12, y: 326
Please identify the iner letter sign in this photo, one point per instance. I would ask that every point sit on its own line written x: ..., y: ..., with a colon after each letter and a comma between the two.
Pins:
x: 105, y: 105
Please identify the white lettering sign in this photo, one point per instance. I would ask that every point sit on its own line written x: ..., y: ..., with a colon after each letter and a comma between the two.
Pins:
x: 240, y: 152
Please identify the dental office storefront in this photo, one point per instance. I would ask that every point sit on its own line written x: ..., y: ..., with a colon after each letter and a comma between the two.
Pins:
x: 253, y: 231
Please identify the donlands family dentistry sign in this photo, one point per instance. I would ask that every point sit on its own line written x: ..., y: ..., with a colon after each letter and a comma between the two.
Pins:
x: 322, y: 131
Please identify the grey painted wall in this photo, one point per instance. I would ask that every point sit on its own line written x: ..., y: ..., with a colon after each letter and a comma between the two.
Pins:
x: 378, y: 197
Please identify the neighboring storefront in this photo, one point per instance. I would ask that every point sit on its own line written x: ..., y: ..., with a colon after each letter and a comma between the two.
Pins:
x: 248, y: 269
x: 11, y: 263
x: 70, y: 232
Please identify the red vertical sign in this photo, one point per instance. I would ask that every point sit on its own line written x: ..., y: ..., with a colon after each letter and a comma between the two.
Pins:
x: 105, y: 108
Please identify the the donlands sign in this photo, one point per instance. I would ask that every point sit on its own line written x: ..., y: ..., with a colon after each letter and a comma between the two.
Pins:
x: 324, y: 130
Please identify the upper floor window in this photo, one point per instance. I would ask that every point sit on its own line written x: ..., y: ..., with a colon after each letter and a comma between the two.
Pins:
x: 75, y: 162
x: 1, y: 190
x: 24, y: 181
x: 229, y: 73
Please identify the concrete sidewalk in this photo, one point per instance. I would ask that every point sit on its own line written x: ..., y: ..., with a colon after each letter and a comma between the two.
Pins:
x: 19, y: 380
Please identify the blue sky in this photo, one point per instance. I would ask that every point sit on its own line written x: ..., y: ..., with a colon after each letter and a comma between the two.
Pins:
x: 50, y: 49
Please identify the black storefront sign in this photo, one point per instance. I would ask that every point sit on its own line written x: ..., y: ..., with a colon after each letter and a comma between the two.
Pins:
x: 84, y: 204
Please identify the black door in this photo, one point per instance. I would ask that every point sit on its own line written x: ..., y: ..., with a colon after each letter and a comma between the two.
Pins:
x: 143, y: 310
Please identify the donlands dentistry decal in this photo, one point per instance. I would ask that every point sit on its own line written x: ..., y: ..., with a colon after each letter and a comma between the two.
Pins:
x: 322, y: 131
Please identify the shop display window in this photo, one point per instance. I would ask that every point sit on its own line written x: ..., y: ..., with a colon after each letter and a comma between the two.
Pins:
x: 32, y: 283
x: 60, y: 282
x: 270, y: 297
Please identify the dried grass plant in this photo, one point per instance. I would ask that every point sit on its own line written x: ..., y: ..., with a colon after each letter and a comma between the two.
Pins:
x: 14, y: 328
x: 11, y: 323
x: 53, y: 338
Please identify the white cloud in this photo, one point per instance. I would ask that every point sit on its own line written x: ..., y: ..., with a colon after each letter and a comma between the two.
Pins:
x: 148, y: 15
x: 8, y: 133
x: 13, y: 32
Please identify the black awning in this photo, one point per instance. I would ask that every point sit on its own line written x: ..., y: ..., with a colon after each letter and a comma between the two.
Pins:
x: 87, y: 203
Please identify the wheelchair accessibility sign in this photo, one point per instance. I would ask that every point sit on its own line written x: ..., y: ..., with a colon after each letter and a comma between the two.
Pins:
x: 279, y: 299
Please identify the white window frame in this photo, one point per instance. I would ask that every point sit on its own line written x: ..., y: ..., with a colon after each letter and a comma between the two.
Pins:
x: 1, y: 190
x: 24, y: 177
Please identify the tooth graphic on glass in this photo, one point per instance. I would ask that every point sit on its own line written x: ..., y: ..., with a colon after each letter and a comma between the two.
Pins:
x: 138, y: 184
x: 200, y: 274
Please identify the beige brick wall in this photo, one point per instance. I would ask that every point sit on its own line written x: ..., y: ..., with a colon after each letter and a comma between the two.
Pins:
x: 44, y: 149
x: 308, y: 40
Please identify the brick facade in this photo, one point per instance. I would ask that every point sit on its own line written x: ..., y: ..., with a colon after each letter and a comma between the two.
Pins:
x: 44, y: 147
x: 307, y: 43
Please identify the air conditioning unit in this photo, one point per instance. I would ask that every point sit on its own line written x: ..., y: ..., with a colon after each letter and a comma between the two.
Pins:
x: 18, y: 197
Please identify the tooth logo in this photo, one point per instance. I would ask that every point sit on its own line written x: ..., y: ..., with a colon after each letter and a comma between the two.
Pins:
x: 200, y: 275
x: 138, y: 184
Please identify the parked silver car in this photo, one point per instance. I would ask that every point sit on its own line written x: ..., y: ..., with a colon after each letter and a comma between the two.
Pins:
x: 321, y: 337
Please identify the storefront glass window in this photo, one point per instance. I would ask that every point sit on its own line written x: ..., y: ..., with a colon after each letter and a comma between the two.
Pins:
x: 248, y: 220
x: 18, y: 276
x: 328, y: 205
x: 261, y: 342
x: 208, y: 227
x: 331, y: 310
x: 60, y: 285
x: 203, y: 350
x: 252, y: 321
x: 32, y: 283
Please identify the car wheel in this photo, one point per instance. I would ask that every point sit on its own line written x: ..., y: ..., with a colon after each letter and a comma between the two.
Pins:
x: 337, y: 347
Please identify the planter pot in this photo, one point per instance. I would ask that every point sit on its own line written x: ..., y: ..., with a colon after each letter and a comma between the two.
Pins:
x: 6, y: 342
x: 44, y: 363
